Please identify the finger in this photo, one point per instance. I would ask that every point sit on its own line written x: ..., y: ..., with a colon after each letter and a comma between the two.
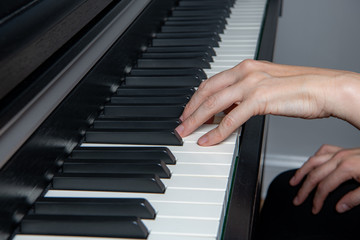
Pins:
x: 329, y: 184
x: 348, y: 167
x: 228, y: 125
x: 211, y: 106
x: 207, y: 88
x: 313, y: 179
x: 308, y: 166
x: 326, y: 148
x: 324, y: 153
x: 348, y: 201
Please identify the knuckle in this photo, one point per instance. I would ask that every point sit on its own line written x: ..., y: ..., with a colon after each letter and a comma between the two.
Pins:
x: 314, y: 161
x: 228, y: 121
x: 321, y: 189
x: 342, y: 153
x: 324, y: 147
x: 247, y: 65
x: 312, y: 179
x: 218, y: 133
x: 202, y: 85
x: 210, y: 102
x: 346, y: 165
x: 191, y: 120
x: 202, y: 92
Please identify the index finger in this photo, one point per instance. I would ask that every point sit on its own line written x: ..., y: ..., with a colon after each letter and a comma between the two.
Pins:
x: 208, y: 88
x: 308, y: 166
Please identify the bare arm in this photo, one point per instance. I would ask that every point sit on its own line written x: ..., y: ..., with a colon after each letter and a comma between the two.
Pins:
x: 259, y: 88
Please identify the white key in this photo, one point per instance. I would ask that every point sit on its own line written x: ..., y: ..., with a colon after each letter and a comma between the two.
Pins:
x: 200, y: 170
x: 204, y: 158
x: 152, y: 236
x: 171, y: 195
x: 183, y: 227
x: 188, y: 210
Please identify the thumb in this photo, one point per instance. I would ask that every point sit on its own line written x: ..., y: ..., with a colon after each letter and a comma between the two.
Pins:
x: 348, y: 201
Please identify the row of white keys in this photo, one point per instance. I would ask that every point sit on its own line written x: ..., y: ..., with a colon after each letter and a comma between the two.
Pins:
x: 192, y: 206
x: 239, y: 40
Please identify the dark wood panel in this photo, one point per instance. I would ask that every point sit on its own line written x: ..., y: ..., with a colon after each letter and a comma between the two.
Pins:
x: 36, y: 31
x: 245, y: 198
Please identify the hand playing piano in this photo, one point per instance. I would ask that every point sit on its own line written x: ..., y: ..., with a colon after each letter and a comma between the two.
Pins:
x: 326, y: 170
x: 259, y: 88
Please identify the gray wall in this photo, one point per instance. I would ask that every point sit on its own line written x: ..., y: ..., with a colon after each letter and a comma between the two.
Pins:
x: 320, y: 33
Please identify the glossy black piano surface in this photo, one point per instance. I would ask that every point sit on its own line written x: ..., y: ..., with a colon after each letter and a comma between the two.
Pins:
x: 89, y: 109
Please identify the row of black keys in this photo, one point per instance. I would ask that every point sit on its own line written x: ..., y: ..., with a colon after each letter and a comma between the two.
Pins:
x: 145, y: 110
x: 125, y: 169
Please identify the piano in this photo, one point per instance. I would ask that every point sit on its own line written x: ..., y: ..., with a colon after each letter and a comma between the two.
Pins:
x: 90, y: 94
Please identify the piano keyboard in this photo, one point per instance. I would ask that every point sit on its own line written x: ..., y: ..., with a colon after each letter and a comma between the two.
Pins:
x: 189, y: 200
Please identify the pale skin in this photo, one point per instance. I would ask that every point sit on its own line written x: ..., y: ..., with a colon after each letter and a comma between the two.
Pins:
x: 260, y: 88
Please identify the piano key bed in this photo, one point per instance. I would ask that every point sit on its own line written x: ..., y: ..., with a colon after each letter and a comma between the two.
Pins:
x: 132, y: 176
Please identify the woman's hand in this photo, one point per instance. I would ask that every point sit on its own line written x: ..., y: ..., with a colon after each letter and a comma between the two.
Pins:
x: 325, y: 171
x: 258, y: 88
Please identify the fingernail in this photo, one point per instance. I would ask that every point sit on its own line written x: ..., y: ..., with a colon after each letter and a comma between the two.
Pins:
x: 180, y: 129
x: 181, y: 118
x: 202, y: 140
x: 343, y: 208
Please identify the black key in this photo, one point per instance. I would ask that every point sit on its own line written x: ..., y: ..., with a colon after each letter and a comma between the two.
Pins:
x: 95, y: 207
x: 152, y: 91
x: 204, y: 12
x: 216, y: 10
x: 157, y: 167
x: 162, y: 42
x: 207, y: 49
x: 196, y: 23
x: 178, y: 55
x: 150, y: 99
x: 161, y: 153
x: 12, y: 210
x: 134, y: 136
x: 137, y: 123
x: 199, y: 72
x: 197, y: 28
x: 118, y: 110
x: 198, y: 62
x: 213, y: 35
x: 108, y: 182
x: 204, y: 3
x: 187, y: 18
x: 163, y: 81
x: 97, y: 226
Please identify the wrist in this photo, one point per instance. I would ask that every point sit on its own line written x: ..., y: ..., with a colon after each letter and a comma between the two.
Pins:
x: 347, y: 98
